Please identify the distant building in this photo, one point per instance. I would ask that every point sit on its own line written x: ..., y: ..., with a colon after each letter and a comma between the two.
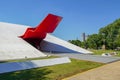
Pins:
x: 84, y: 37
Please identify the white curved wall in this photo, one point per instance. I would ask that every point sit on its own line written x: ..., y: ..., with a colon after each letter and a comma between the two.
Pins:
x: 13, y: 47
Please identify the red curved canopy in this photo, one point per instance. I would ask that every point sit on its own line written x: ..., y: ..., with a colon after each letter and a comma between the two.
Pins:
x: 48, y: 25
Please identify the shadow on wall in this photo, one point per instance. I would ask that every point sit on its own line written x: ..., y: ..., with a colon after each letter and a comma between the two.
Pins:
x: 54, y: 48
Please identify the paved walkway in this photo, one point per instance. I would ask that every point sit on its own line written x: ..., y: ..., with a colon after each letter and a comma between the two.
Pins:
x: 107, y: 72
x: 94, y: 58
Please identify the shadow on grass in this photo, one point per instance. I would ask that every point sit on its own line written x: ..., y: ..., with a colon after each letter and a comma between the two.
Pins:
x: 32, y: 74
x: 3, y: 61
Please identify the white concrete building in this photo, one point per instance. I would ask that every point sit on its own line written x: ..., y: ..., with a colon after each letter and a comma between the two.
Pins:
x: 13, y: 47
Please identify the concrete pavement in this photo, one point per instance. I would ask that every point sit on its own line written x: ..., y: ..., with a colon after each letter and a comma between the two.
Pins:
x: 94, y: 58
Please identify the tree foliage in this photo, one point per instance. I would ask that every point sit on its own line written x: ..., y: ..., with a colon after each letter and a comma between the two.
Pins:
x: 94, y: 41
x: 111, y: 34
x: 108, y: 36
x: 76, y: 42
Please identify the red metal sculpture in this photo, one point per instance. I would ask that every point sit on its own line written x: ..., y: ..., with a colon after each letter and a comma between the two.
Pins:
x: 48, y: 25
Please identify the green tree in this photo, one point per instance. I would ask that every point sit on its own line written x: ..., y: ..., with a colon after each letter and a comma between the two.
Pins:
x: 111, y: 34
x: 76, y: 42
x: 94, y: 41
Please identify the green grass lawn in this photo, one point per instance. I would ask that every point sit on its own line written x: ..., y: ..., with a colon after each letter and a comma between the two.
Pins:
x: 99, y: 52
x: 56, y: 72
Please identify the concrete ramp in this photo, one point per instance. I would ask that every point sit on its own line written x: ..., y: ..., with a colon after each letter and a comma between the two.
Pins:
x: 57, y: 45
x: 13, y: 47
x: 15, y: 66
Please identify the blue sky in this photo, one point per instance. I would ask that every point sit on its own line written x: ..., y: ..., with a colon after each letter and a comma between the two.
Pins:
x: 78, y: 15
